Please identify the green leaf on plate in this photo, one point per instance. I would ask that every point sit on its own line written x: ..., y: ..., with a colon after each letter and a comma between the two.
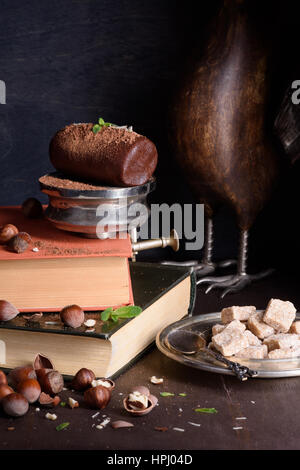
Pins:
x: 167, y: 394
x: 182, y: 394
x: 101, y: 121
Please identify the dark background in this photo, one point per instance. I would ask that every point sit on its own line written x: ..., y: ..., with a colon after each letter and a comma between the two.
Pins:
x: 75, y: 60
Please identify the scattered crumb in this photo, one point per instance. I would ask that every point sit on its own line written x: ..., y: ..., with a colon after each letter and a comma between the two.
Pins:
x: 237, y: 427
x: 161, y: 428
x: 50, y: 416
x: 241, y: 417
x: 73, y: 403
x: 194, y: 424
x: 51, y: 322
x: 90, y: 330
x: 96, y: 414
x: 253, y: 402
x: 178, y: 429
x: 156, y: 380
x: 37, y: 409
x: 35, y: 249
x: 90, y: 323
x: 120, y: 393
x: 103, y: 424
x: 11, y: 428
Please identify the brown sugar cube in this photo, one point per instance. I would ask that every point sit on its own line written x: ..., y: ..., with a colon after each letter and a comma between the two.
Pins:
x: 258, y: 327
x: 217, y: 328
x: 253, y: 352
x: 280, y: 315
x: 282, y: 341
x: 284, y: 353
x: 253, y: 340
x: 235, y: 325
x: 237, y: 313
x: 230, y: 341
x: 295, y: 328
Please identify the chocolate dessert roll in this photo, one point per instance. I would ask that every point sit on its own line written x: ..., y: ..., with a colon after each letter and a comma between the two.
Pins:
x: 114, y: 156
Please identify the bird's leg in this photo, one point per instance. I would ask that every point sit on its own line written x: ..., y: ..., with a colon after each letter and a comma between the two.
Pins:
x: 235, y: 282
x: 207, y: 266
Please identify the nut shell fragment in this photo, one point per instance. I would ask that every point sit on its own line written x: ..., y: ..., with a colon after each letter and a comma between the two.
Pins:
x: 121, y: 424
x: 152, y: 402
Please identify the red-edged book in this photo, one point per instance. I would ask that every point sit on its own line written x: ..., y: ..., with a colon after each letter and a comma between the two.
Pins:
x: 60, y: 268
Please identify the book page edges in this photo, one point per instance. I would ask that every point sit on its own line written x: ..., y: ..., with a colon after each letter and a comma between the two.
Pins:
x: 140, y: 332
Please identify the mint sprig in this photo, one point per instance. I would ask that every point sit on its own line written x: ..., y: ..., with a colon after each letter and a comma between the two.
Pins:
x: 101, y: 123
x: 129, y: 311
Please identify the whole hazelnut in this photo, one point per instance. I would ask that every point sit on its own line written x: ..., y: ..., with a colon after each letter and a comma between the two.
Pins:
x: 72, y: 315
x: 97, y: 397
x: 32, y: 208
x: 30, y: 389
x: 7, y: 232
x: 83, y: 379
x: 3, y: 378
x: 19, y: 374
x: 7, y: 311
x: 18, y: 244
x: 51, y: 381
x: 5, y: 390
x: 15, y: 404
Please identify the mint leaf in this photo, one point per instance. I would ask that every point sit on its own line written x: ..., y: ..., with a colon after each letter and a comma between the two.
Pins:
x: 129, y: 311
x: 105, y: 315
x: 101, y: 121
x: 62, y: 403
x: 206, y: 410
x: 62, y: 426
x: 114, y: 318
x: 96, y: 128
x: 182, y: 394
x: 166, y: 394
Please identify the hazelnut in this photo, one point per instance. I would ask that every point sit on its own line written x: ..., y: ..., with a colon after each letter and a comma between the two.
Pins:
x: 72, y: 315
x: 3, y: 379
x: 140, y: 402
x: 18, y: 244
x: 48, y: 401
x: 97, y: 397
x: 7, y: 232
x: 83, y: 379
x: 7, y: 311
x: 32, y: 208
x: 5, y: 390
x: 51, y: 381
x: 108, y: 383
x: 19, y: 374
x: 42, y: 362
x: 15, y: 404
x: 30, y: 389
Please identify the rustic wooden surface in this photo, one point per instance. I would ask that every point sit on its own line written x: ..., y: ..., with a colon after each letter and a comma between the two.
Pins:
x: 270, y: 405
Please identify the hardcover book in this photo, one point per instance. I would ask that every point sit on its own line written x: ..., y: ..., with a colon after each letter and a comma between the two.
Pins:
x: 61, y: 268
x: 165, y: 293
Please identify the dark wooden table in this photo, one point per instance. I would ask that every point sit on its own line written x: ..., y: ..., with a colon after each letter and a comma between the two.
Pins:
x: 270, y: 406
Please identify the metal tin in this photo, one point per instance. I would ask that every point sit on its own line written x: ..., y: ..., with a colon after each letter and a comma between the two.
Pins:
x: 77, y: 210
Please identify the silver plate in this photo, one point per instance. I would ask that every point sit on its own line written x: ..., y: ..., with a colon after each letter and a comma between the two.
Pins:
x: 266, y: 368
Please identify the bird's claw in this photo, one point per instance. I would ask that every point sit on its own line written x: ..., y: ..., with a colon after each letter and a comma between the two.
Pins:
x: 233, y: 283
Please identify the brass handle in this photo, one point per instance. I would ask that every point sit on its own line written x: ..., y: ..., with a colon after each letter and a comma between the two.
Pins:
x: 172, y: 241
